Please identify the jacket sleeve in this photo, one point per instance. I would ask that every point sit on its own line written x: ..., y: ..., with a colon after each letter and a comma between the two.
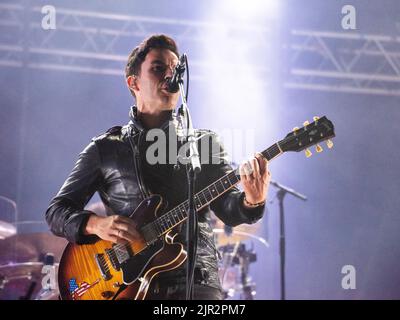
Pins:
x: 66, y: 215
x: 229, y: 206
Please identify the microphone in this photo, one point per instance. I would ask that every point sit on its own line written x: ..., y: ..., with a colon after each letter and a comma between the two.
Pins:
x: 173, y: 82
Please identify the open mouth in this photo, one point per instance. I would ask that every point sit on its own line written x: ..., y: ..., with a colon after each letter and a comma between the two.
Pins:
x: 164, y: 86
x: 164, y: 89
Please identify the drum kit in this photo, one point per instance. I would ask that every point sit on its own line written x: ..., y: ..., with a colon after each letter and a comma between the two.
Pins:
x: 236, y: 257
x: 26, y: 262
x: 26, y: 258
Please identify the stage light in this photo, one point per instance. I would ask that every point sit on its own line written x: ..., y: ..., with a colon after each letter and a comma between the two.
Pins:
x: 252, y: 9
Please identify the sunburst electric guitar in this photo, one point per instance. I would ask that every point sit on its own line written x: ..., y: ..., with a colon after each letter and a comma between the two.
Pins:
x: 104, y: 270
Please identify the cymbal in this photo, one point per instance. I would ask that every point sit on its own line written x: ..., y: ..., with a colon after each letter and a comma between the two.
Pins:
x: 31, y: 247
x: 236, y: 236
x: 17, y: 279
x: 239, y: 233
x: 6, y: 230
x: 12, y: 271
x: 28, y: 270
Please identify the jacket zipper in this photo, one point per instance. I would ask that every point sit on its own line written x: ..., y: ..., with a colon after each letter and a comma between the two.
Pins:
x: 136, y: 160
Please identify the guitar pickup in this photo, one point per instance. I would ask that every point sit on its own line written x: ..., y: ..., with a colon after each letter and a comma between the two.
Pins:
x: 103, y: 267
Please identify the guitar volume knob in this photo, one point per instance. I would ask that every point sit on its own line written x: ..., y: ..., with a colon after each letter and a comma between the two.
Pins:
x: 107, y: 294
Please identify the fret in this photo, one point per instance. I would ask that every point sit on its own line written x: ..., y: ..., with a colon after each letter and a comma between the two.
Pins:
x: 203, y: 197
x: 213, y: 190
x: 266, y: 154
x: 175, y: 216
x: 168, y: 221
x: 171, y: 217
x: 272, y: 151
x: 236, y: 174
x: 226, y: 183
x: 220, y: 186
x: 276, y: 150
x: 232, y: 178
x: 163, y: 224
x: 197, y: 201
x: 182, y: 212
x: 184, y: 209
x: 208, y: 195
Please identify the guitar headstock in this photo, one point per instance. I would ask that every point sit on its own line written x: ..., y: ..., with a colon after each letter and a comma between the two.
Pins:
x: 310, y: 134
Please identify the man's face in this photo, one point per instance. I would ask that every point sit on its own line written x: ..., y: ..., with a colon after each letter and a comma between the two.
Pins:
x: 151, y: 84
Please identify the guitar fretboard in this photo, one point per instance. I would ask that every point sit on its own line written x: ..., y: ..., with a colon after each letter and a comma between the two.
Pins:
x: 204, y: 197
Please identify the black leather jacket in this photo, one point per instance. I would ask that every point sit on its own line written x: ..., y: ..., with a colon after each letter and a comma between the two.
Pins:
x: 112, y: 165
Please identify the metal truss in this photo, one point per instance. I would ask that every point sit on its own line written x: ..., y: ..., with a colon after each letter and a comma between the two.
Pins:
x: 344, y: 62
x: 99, y: 43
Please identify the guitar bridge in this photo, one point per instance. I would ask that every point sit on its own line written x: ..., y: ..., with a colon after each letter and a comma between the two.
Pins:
x: 103, y: 267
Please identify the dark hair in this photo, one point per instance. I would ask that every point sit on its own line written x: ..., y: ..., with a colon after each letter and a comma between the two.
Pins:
x: 138, y: 55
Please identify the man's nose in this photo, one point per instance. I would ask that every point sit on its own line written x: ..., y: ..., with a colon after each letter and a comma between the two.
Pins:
x: 169, y: 72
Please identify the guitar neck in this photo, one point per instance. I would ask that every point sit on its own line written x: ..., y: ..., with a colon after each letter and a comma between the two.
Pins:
x: 204, y: 197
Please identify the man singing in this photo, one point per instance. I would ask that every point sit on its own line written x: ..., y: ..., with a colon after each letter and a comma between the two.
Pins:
x: 116, y: 164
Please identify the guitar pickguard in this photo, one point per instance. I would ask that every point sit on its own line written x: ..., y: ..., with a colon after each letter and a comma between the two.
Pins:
x: 133, y: 267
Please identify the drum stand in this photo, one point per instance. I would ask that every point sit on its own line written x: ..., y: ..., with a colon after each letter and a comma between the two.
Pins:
x: 238, y: 255
x: 245, y: 258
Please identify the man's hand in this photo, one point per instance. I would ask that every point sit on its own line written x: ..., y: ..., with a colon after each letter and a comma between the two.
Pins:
x: 255, y: 178
x: 118, y: 229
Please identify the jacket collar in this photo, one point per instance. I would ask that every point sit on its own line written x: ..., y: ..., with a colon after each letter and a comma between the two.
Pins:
x: 136, y: 125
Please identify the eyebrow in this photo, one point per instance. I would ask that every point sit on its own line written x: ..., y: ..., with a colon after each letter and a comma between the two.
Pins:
x: 160, y: 62
x: 157, y: 62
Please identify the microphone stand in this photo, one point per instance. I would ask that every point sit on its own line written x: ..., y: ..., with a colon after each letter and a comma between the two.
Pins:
x: 282, y: 191
x: 193, y: 167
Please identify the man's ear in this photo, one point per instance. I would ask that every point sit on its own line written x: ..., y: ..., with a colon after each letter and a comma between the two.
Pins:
x: 131, y: 81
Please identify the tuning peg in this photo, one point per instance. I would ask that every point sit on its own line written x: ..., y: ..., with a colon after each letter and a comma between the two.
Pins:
x: 315, y: 118
x: 308, y: 153
x: 306, y: 123
x: 329, y: 143
x: 295, y: 129
x: 318, y: 148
